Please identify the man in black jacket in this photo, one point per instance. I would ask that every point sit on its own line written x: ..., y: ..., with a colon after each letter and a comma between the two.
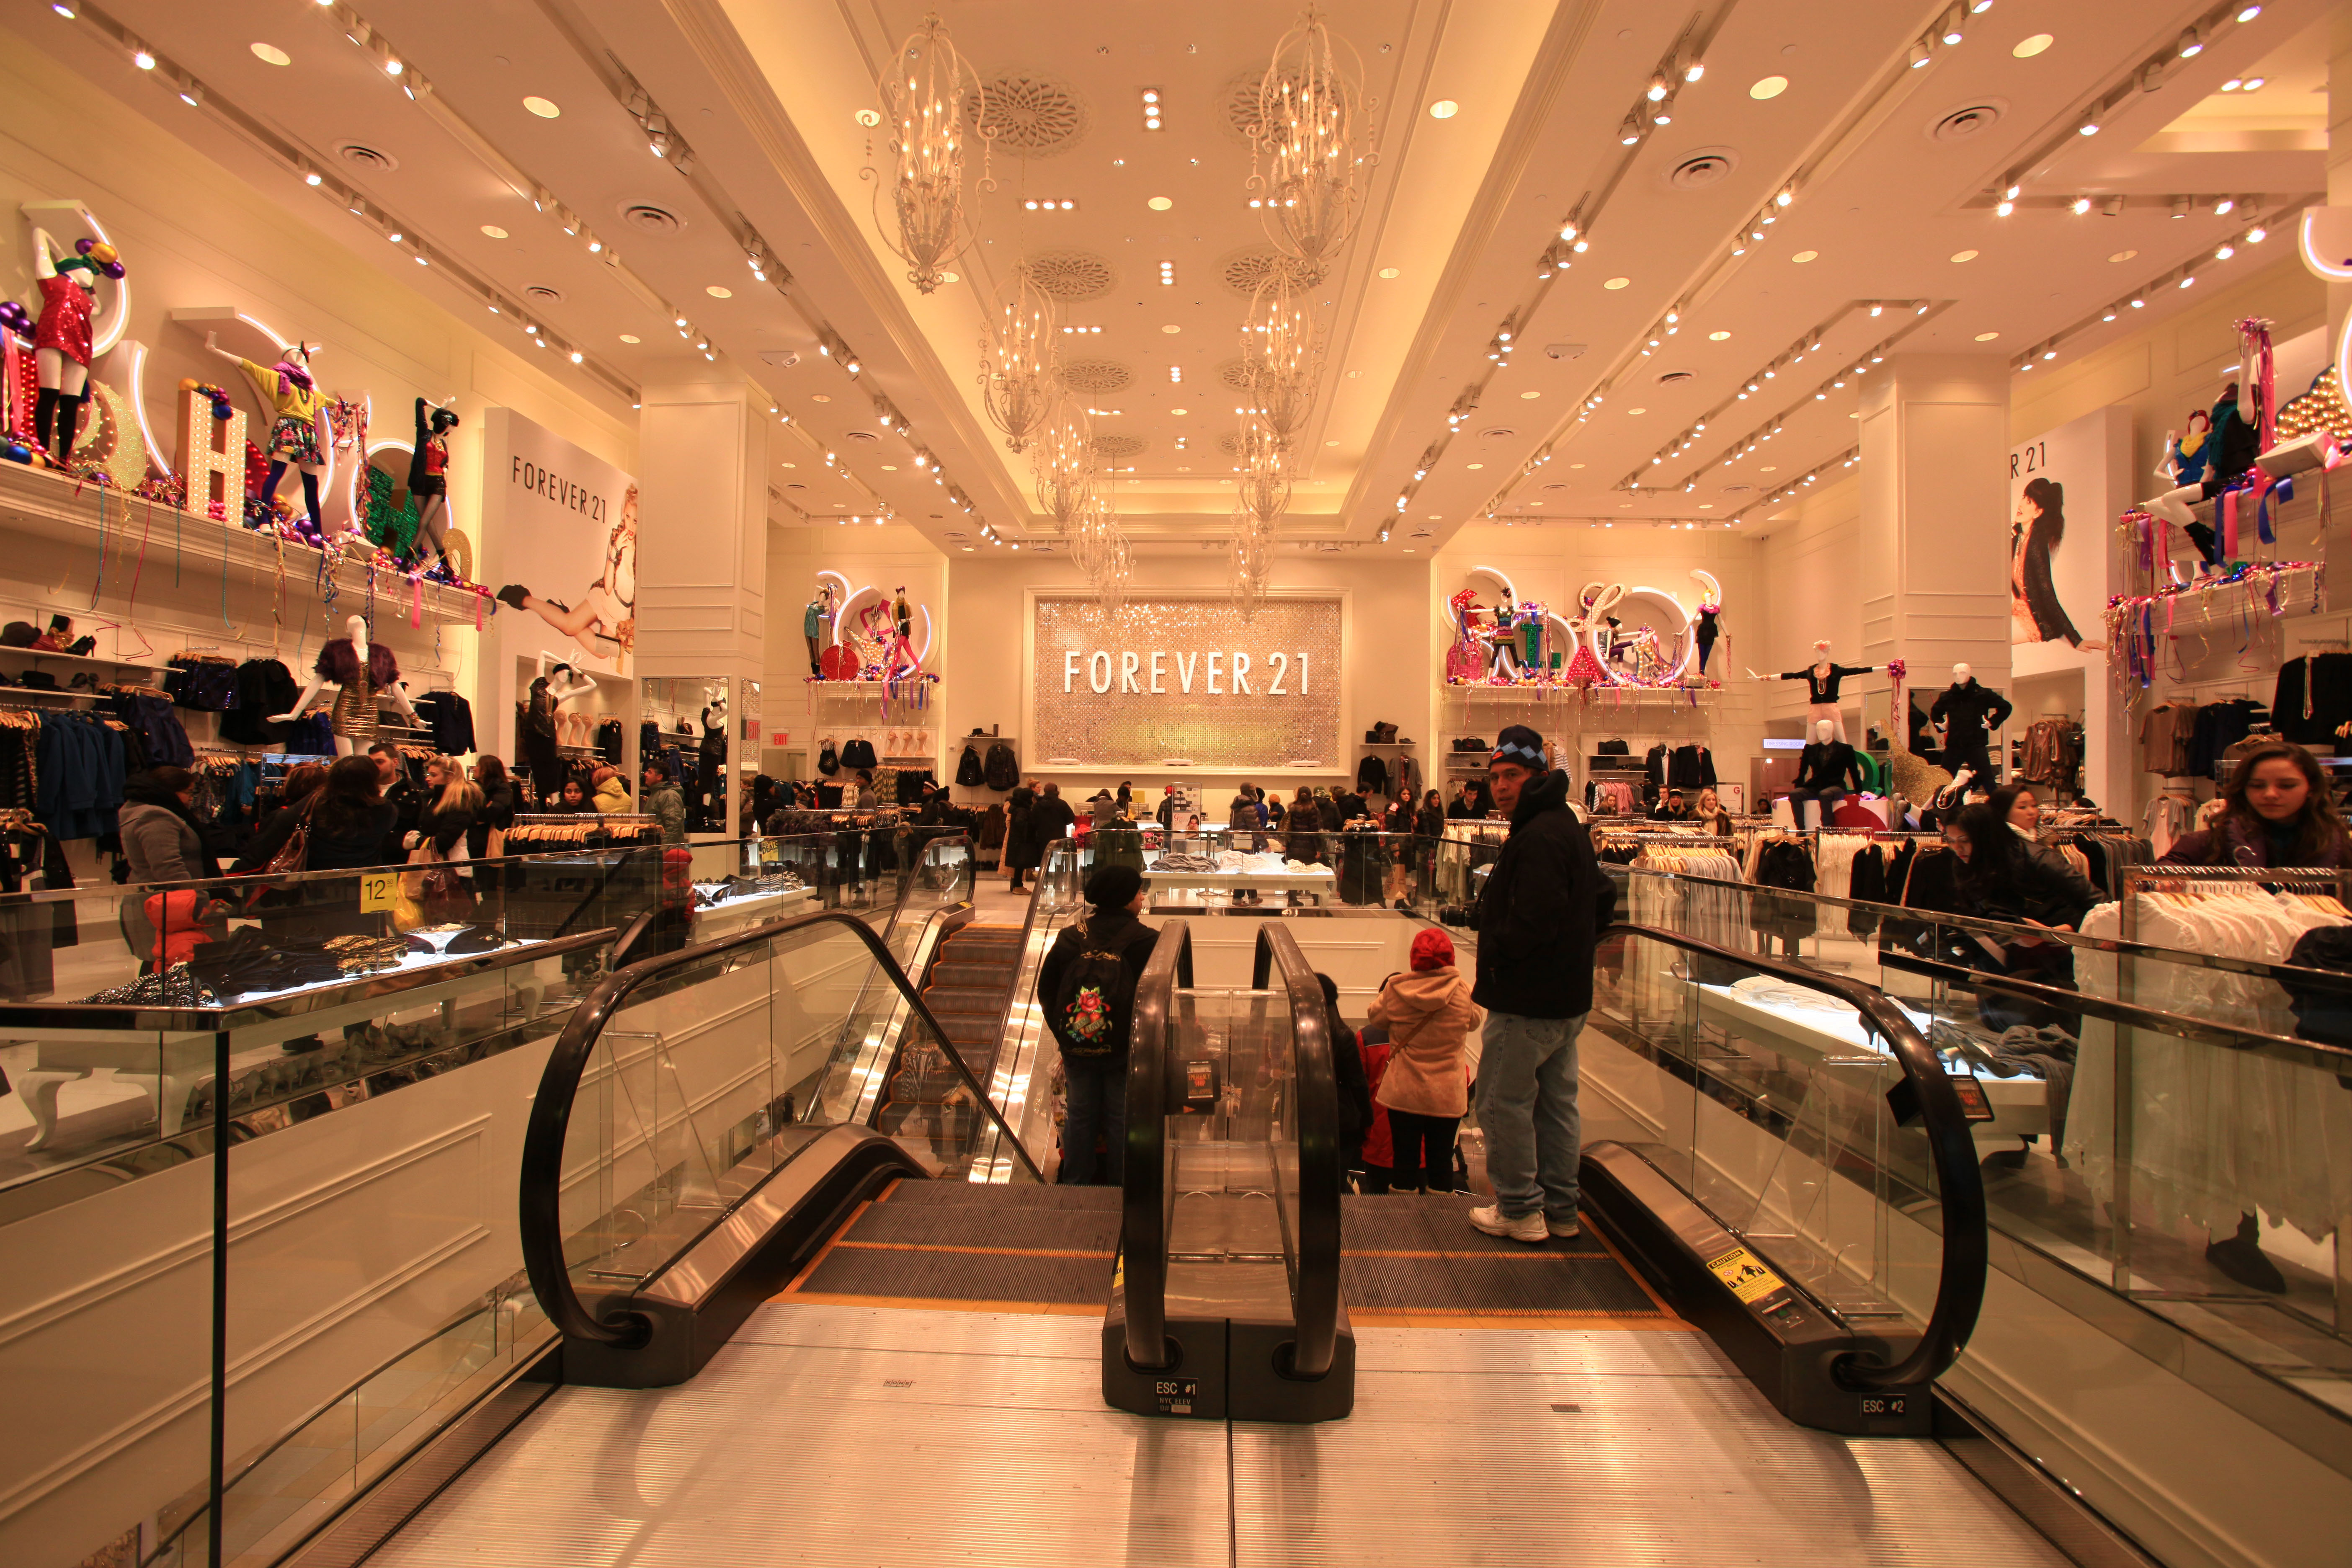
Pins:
x: 1050, y: 819
x: 1544, y: 904
x: 1094, y: 1074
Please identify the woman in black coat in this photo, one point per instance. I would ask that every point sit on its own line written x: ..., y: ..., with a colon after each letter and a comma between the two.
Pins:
x: 1049, y: 820
x: 1020, y: 849
x: 2036, y: 531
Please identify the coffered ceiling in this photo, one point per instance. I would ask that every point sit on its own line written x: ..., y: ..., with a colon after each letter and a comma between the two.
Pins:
x: 1889, y: 239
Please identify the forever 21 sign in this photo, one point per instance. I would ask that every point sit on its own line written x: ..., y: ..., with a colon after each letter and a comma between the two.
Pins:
x: 1147, y: 671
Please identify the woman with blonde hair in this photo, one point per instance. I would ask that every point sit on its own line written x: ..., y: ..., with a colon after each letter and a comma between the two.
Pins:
x: 452, y: 801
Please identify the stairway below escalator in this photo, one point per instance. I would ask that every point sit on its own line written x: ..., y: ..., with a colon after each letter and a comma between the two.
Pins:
x: 967, y: 988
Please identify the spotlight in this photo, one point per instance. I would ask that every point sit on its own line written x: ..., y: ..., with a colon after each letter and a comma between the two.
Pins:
x: 2256, y: 234
x: 2090, y: 127
x: 1694, y: 70
x: 2222, y: 208
x: 1920, y: 55
x: 193, y: 95
x: 2225, y: 251
x: 1788, y: 194
x: 1657, y: 92
x: 1952, y: 27
x: 2250, y: 13
x: 2003, y: 208
x: 310, y: 176
x: 2137, y: 303
x: 141, y: 58
x: 575, y: 356
x: 1629, y: 132
x: 2192, y: 45
x: 66, y: 9
x: 2049, y: 353
x: 2191, y: 279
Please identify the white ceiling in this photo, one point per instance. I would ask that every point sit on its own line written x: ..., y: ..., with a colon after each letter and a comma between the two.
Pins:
x: 765, y: 95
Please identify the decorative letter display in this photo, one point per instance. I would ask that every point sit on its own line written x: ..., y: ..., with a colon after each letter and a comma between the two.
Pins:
x: 1176, y: 678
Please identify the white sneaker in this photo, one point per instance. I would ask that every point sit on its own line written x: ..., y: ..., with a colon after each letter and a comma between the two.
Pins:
x: 1527, y: 1228
x: 1564, y: 1228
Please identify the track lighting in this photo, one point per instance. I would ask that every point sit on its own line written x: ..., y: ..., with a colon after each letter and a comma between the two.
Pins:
x: 2223, y: 207
x: 2225, y: 251
x: 1658, y: 88
x: 1629, y: 132
x: 143, y: 58
x: 2081, y: 205
x: 2250, y: 13
x: 2090, y: 127
x: 1694, y: 70
x: 1952, y: 27
x: 1920, y: 54
x: 2192, y: 44
x: 2003, y: 208
x: 2256, y: 234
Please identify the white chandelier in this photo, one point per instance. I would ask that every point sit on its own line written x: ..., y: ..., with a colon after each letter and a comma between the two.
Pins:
x: 1265, y: 486
x: 1063, y: 460
x: 1308, y: 105
x: 1016, y: 370
x: 924, y: 89
x: 1278, y: 357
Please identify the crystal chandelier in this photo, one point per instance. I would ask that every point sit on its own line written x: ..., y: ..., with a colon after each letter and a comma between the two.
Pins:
x: 1063, y: 462
x: 1264, y: 485
x: 1016, y: 370
x: 924, y: 90
x: 1278, y: 357
x: 1308, y: 104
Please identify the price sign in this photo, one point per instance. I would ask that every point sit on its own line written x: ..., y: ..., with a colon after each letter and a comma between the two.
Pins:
x: 377, y: 891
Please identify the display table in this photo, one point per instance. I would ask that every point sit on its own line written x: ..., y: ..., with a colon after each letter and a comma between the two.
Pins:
x: 1827, y: 1035
x: 178, y: 1048
x: 743, y: 911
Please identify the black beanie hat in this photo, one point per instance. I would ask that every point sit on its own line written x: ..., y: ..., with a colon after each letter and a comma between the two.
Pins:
x: 1519, y: 744
x: 1113, y: 887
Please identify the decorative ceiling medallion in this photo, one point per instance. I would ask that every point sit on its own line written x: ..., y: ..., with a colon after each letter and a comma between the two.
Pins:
x: 1028, y: 115
x: 1235, y: 374
x: 1072, y: 276
x: 1237, y: 105
x: 1231, y: 446
x: 1117, y: 448
x: 1244, y: 270
x: 1097, y: 377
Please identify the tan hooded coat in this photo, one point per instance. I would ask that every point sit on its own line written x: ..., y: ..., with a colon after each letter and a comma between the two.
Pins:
x: 1429, y: 1016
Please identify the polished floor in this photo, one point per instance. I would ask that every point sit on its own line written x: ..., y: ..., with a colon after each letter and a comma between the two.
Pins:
x: 834, y: 1434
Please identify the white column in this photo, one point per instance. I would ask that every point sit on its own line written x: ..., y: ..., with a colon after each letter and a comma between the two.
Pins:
x: 703, y: 554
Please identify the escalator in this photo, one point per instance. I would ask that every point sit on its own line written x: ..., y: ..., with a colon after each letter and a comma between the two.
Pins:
x: 787, y: 1337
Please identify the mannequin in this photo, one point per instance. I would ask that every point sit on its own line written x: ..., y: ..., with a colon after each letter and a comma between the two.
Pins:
x: 1827, y: 771
x: 1821, y: 680
x: 1710, y: 606
x: 542, y: 747
x: 813, y: 616
x: 362, y: 676
x: 428, y: 478
x: 2202, y: 466
x: 299, y: 436
x: 1971, y: 713
x: 61, y: 339
x: 904, y: 613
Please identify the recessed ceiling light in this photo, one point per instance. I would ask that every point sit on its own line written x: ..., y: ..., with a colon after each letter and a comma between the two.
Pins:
x: 1180, y: 411
x: 1987, y: 337
x: 631, y: 338
x: 717, y: 292
x: 1637, y: 411
x: 494, y: 231
x: 1160, y: 203
x: 1964, y: 256
x: 1716, y: 337
x: 1444, y: 108
x: 1706, y: 506
x: 544, y: 108
x: 1769, y: 86
x: 1804, y: 255
x: 2123, y: 256
x: 820, y: 397
x: 889, y: 468
x: 1769, y: 468
x: 1576, y: 465
x: 1388, y: 271
x: 1172, y: 327
x: 1354, y: 374
x: 1617, y: 282
x: 951, y: 277
x: 272, y: 54
x: 1476, y: 465
x: 1531, y: 395
x: 2030, y: 47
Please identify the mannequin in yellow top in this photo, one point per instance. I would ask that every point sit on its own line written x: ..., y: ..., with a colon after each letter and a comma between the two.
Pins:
x: 297, y: 436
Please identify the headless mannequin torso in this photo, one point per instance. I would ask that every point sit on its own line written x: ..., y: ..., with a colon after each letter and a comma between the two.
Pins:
x: 368, y: 675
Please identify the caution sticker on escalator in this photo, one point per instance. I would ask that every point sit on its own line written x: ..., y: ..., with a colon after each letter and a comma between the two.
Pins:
x: 1743, y: 1275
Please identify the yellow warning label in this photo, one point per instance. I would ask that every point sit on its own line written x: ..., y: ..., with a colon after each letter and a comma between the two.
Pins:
x: 1748, y: 1279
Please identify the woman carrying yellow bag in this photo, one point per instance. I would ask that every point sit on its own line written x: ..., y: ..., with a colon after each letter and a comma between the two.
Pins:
x: 442, y: 891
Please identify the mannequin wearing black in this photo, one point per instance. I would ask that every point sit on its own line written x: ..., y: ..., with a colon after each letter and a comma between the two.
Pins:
x: 1827, y: 771
x: 1973, y: 712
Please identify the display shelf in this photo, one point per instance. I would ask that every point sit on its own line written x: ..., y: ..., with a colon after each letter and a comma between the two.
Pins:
x: 45, y: 504
x: 1388, y: 745
x: 1596, y: 696
x: 41, y: 656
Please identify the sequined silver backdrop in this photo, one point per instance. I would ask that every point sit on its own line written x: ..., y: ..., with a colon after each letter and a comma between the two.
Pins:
x: 1127, y: 729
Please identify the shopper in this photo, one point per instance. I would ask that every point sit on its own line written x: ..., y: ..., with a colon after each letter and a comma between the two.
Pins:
x: 1671, y: 808
x: 487, y: 840
x: 392, y: 783
x: 351, y: 820
x: 1710, y: 814
x: 294, y: 805
x: 1349, y: 1076
x: 2276, y: 812
x: 452, y: 802
x: 611, y: 795
x: 1088, y: 980
x: 1305, y: 840
x: 2004, y: 877
x: 1051, y: 820
x: 1544, y: 906
x: 162, y: 842
x: 1271, y: 806
x: 1020, y: 841
x: 571, y: 797
x: 1373, y: 1048
x: 665, y: 801
x: 1104, y: 807
x: 2020, y: 807
x: 1428, y: 1014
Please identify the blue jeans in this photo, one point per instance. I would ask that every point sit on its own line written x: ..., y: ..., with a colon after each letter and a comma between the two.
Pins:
x: 1527, y: 1107
x: 1094, y: 1105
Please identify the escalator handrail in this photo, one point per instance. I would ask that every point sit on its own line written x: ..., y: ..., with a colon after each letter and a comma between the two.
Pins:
x: 1143, y: 1202
x: 1315, y: 1273
x: 907, y: 884
x: 541, y: 1185
x: 1021, y: 950
x: 1960, y: 1183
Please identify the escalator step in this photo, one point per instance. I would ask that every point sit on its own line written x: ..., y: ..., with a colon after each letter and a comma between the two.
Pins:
x: 951, y: 1125
x: 976, y: 1000
x: 1414, y: 1223
x: 1536, y: 1285
x: 959, y: 1195
x: 904, y: 1272
x: 954, y: 970
x: 997, y: 1226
